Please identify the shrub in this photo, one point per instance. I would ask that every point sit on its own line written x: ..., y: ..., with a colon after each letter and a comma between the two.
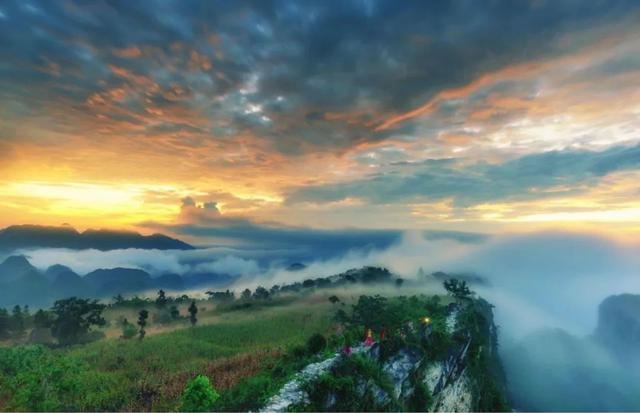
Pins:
x: 316, y: 343
x: 298, y: 351
x: 198, y: 395
x: 129, y: 331
x: 248, y: 395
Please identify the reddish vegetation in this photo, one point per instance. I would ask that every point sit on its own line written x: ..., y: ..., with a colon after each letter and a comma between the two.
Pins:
x: 224, y: 373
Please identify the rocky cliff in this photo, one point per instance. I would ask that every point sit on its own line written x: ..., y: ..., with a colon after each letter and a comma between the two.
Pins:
x: 464, y: 375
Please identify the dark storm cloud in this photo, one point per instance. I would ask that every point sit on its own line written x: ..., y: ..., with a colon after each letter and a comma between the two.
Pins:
x: 523, y: 178
x: 299, y: 73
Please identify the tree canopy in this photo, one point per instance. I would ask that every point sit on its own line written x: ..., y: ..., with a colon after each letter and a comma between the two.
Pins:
x: 458, y: 289
x: 73, y: 318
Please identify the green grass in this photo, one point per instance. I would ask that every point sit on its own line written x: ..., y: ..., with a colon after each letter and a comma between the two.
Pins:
x: 185, y: 349
x: 115, y: 374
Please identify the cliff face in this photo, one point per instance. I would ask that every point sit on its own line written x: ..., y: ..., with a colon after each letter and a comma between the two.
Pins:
x: 554, y: 370
x: 471, y: 378
x: 468, y: 377
x: 619, y: 326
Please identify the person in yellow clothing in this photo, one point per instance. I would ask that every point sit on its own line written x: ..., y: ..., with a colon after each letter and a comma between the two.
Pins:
x: 368, y: 341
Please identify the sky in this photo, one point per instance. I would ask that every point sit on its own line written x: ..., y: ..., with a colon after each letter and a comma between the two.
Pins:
x: 230, y: 120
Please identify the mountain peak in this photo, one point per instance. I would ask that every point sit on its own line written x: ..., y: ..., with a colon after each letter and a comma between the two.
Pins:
x: 14, y: 267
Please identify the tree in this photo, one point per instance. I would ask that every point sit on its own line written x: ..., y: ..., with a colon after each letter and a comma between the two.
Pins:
x: 334, y: 299
x: 27, y: 317
x: 399, y: 282
x: 193, y: 310
x: 5, y: 323
x: 198, y: 395
x: 73, y: 318
x: 174, y: 312
x: 161, y: 301
x: 17, y: 321
x: 371, y: 312
x: 261, y: 293
x: 458, y: 289
x: 118, y: 299
x: 221, y: 296
x: 246, y: 294
x: 142, y: 322
x: 42, y: 319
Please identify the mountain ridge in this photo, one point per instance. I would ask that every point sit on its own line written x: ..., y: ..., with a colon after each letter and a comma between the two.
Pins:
x: 40, y: 236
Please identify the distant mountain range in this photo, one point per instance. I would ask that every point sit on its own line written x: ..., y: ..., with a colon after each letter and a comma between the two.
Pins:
x: 36, y: 236
x: 21, y: 283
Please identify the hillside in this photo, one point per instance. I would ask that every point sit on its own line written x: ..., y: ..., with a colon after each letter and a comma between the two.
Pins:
x: 256, y: 348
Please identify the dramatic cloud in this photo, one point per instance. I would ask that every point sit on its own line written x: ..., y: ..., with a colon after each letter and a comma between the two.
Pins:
x: 249, y: 104
x: 549, y: 174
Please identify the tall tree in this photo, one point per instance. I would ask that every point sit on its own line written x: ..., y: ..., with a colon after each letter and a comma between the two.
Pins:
x: 142, y: 322
x: 73, y: 318
x: 193, y: 310
x: 17, y: 321
x: 161, y: 301
x: 246, y: 294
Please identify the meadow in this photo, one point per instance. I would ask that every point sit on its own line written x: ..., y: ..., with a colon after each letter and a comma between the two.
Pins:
x: 149, y: 374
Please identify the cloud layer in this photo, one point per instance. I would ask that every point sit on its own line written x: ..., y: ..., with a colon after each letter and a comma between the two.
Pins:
x: 428, y: 110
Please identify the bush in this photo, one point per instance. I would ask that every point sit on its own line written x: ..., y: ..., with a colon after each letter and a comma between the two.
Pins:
x: 316, y: 343
x: 129, y: 331
x: 248, y: 395
x: 299, y: 351
x: 198, y: 395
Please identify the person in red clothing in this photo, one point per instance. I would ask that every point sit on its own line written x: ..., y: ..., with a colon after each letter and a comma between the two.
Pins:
x: 382, y: 333
x: 368, y: 341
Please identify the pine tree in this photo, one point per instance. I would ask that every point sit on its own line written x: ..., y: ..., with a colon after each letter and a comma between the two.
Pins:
x: 161, y: 301
x: 193, y: 310
x: 142, y: 322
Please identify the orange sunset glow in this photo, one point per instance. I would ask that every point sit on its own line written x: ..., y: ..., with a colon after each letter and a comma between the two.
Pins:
x: 117, y: 132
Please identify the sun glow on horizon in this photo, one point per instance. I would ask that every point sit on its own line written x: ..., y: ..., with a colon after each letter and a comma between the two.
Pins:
x: 104, y: 203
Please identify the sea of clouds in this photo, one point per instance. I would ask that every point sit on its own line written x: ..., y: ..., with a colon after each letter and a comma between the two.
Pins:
x: 546, y: 288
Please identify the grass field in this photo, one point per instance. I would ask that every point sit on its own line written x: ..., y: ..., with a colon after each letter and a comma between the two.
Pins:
x: 149, y: 374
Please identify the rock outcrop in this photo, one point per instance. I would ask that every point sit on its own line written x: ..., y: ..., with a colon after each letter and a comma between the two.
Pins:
x: 410, y: 379
x: 292, y: 393
x: 619, y: 326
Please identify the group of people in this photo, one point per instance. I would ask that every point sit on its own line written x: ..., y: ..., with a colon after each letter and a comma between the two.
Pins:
x: 368, y: 338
